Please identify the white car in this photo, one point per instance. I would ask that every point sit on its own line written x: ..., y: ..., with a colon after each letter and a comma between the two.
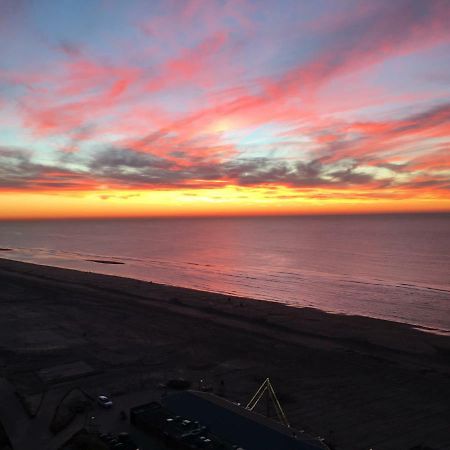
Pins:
x: 104, y: 401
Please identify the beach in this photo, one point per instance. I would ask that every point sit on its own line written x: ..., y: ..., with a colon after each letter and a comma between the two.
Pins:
x: 358, y: 382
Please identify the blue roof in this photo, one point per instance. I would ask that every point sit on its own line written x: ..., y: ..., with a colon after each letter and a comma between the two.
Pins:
x: 237, y: 425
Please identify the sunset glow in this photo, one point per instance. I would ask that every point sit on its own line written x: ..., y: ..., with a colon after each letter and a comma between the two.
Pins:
x: 135, y: 109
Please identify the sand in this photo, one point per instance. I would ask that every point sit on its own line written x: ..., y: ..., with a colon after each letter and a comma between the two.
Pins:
x: 358, y: 382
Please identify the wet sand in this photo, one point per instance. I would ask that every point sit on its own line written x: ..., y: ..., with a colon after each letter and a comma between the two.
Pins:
x: 104, y: 261
x: 358, y: 382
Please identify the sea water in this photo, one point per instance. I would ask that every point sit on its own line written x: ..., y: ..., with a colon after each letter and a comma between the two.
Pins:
x: 395, y: 267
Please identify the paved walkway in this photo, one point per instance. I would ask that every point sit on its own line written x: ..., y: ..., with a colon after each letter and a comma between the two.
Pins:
x: 27, y: 433
x: 12, y: 415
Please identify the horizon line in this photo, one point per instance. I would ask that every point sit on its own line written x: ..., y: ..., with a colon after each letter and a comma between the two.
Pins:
x: 223, y: 216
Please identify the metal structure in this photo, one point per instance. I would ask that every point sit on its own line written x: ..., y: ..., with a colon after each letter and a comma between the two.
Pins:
x: 267, y: 387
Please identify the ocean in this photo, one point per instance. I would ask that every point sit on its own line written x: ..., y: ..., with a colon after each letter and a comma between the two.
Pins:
x: 394, y: 267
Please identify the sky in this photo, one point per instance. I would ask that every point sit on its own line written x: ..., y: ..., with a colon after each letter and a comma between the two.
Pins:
x: 228, y: 107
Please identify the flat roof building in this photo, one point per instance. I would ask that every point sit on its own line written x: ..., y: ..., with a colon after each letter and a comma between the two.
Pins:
x: 237, y: 425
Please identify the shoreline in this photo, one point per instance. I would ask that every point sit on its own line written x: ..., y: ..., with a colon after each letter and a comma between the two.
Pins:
x: 216, y: 302
x: 358, y: 382
x: 104, y: 262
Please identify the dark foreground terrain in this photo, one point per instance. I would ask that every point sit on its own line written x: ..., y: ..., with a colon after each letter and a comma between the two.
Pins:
x: 360, y: 383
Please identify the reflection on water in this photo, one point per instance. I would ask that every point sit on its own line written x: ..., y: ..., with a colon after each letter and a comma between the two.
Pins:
x: 394, y: 267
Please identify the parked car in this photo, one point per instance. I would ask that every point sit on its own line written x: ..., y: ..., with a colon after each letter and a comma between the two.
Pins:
x: 178, y: 383
x: 104, y: 401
